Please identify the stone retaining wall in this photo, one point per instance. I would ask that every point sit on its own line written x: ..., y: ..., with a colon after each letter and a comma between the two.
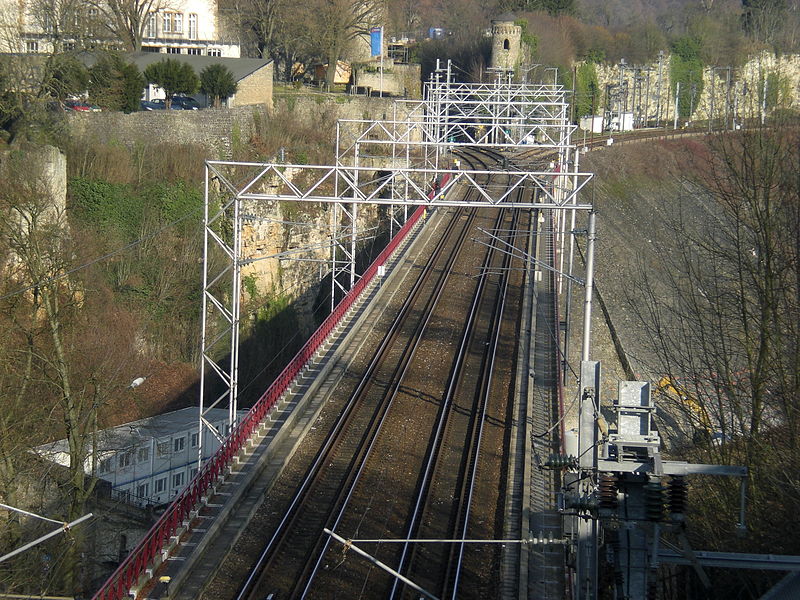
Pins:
x: 214, y: 128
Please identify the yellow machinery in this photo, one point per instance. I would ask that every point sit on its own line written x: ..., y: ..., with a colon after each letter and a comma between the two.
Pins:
x: 670, y: 388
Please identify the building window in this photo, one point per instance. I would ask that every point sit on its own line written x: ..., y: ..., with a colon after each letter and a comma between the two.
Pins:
x: 194, y: 437
x: 91, y: 24
x: 150, y: 30
x: 143, y: 490
x: 178, y: 444
x: 125, y: 459
x: 194, y: 51
x: 104, y: 466
x: 192, y: 472
x: 162, y: 449
x: 177, y: 479
x: 161, y: 485
x: 143, y: 455
x: 173, y: 50
x: 173, y: 23
x: 31, y: 47
x: 192, y: 26
x: 214, y: 52
x: 68, y: 46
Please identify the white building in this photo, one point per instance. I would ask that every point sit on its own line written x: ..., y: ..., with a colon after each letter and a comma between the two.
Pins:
x: 171, y: 27
x: 151, y: 460
x: 187, y: 27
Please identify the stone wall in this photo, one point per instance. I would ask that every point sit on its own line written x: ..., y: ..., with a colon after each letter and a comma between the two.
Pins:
x: 256, y: 88
x: 339, y: 106
x: 213, y: 128
x: 397, y: 80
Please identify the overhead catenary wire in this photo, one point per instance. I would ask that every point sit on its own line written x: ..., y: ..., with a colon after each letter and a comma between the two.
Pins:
x: 30, y: 514
x: 64, y: 527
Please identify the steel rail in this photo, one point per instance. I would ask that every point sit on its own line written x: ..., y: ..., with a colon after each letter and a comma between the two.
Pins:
x: 434, y: 462
x: 323, y: 455
x: 477, y: 437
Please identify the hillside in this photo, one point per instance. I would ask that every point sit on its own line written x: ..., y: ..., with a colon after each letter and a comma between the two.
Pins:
x: 697, y: 266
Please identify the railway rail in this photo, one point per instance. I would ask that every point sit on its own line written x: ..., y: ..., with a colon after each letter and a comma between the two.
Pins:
x: 451, y: 470
x: 338, y: 488
x: 329, y: 481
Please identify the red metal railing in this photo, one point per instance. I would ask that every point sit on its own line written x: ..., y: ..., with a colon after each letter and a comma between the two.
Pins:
x: 130, y: 570
x: 557, y: 329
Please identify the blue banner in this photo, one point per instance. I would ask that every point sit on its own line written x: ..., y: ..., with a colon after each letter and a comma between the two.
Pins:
x: 376, y: 41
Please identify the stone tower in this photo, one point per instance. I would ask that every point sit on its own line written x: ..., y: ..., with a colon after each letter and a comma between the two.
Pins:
x: 506, y: 42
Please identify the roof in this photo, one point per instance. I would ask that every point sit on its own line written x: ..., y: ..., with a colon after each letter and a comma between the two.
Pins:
x: 239, y: 67
x: 130, y: 434
x: 505, y: 18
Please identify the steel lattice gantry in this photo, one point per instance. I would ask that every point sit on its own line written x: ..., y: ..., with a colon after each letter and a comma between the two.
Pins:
x: 501, y: 115
x: 398, y: 163
x: 223, y: 258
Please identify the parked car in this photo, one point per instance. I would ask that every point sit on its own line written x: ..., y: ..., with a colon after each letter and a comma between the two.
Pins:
x: 77, y: 106
x: 178, y: 103
x: 185, y: 102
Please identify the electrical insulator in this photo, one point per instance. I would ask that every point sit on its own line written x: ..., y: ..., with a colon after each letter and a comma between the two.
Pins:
x: 580, y: 503
x: 607, y: 491
x: 678, y: 495
x: 653, y: 500
x: 561, y: 461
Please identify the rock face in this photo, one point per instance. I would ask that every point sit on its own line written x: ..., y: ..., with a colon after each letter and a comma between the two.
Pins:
x: 725, y: 95
x: 289, y: 244
x: 52, y: 164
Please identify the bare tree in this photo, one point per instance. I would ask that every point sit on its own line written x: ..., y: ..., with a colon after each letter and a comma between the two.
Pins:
x: 764, y: 19
x: 405, y: 16
x: 127, y: 20
x: 721, y: 314
x: 66, y: 352
x: 274, y: 28
x: 335, y: 24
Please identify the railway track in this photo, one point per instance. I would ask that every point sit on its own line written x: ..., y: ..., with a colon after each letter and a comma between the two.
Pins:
x: 290, y: 557
x: 338, y: 488
x: 443, y: 502
x: 358, y: 487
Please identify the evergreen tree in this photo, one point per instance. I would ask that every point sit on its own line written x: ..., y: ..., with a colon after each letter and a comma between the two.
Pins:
x: 686, y: 67
x: 217, y: 82
x: 587, y: 89
x: 173, y: 76
x: 116, y: 84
